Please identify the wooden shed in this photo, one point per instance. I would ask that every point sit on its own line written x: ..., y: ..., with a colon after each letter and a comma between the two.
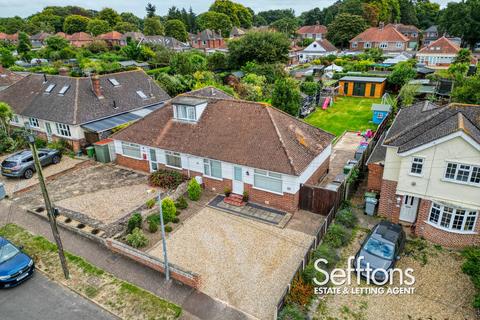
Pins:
x: 369, y: 87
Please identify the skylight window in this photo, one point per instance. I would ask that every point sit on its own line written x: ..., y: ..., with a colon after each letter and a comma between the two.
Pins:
x: 141, y: 94
x: 64, y: 90
x: 50, y: 88
x: 114, y: 82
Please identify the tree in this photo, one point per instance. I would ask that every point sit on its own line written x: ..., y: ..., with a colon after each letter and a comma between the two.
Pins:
x: 153, y: 27
x: 97, y: 46
x: 370, y: 14
x: 75, y: 23
x: 24, y: 44
x: 176, y: 29
x: 239, y: 15
x: 311, y: 17
x: 6, y: 114
x: 408, y: 14
x: 261, y: 47
x: 150, y: 8
x: 402, y: 73
x: 389, y: 10
x: 212, y: 20
x: 271, y: 16
x: 345, y: 27
x: 56, y: 43
x: 462, y: 19
x: 288, y: 26
x: 109, y: 15
x: 286, y: 95
x: 217, y: 61
x: 463, y: 56
x: 310, y: 88
x: 407, y: 94
x: 97, y: 26
x: 467, y: 90
x: 47, y: 22
x: 6, y: 57
x: 427, y: 13
x: 124, y: 27
x: 187, y: 63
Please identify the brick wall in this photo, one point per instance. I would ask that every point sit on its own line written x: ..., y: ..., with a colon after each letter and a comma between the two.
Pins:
x: 135, y: 164
x: 320, y: 173
x: 286, y: 202
x: 75, y: 145
x: 388, y: 207
x: 441, y: 237
x: 375, y: 177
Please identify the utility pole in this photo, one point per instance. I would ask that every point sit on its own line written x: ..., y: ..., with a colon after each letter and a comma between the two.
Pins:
x: 48, y: 205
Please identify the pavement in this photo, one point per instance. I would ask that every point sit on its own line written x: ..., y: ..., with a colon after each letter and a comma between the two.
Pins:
x: 40, y: 298
x: 195, y: 304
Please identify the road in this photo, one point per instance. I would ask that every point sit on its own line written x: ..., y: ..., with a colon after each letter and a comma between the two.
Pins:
x: 40, y: 298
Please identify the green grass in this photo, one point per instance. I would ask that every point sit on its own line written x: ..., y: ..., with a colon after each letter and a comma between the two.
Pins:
x: 346, y: 114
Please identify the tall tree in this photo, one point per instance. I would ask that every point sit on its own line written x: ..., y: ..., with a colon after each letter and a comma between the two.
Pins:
x: 97, y: 26
x: 6, y: 115
x: 427, y: 13
x: 75, y: 23
x: 153, y: 27
x: 467, y: 90
x: 462, y: 19
x: 311, y: 17
x: 344, y: 28
x: 287, y: 26
x: 109, y: 15
x: 238, y: 14
x: 24, y: 45
x: 273, y: 15
x: 6, y: 57
x: 124, y: 27
x: 212, y: 20
x: 150, y: 8
x: 463, y: 56
x: 286, y: 95
x: 131, y: 18
x: 176, y: 29
x: 408, y: 13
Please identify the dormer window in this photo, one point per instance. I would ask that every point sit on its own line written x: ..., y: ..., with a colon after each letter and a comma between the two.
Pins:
x: 186, y: 113
x: 188, y: 108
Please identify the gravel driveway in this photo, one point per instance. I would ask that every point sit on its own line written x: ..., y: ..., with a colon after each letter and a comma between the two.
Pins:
x: 245, y: 263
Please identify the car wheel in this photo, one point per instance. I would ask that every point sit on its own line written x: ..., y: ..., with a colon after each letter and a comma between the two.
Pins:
x: 56, y: 159
x: 28, y: 174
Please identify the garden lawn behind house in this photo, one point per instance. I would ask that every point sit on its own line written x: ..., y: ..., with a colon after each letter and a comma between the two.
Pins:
x: 125, y: 300
x: 346, y: 114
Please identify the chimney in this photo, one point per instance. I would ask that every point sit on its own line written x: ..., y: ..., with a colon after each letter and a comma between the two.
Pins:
x: 1, y: 68
x: 63, y: 71
x: 381, y: 25
x: 96, y: 86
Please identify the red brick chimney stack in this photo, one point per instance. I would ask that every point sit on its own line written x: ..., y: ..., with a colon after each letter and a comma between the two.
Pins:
x: 96, y: 86
x: 63, y: 71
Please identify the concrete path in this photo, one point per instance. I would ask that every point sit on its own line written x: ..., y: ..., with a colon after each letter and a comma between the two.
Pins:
x: 40, y: 298
x: 195, y: 304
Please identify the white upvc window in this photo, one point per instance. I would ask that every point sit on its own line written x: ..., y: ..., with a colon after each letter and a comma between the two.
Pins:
x: 33, y: 122
x: 212, y: 168
x: 63, y: 129
x: 417, y: 166
x: 174, y: 159
x: 186, y: 113
x: 452, y: 219
x: 463, y: 173
x: 15, y: 119
x: 383, y: 45
x: 367, y: 45
x: 354, y: 44
x: 131, y: 150
x: 399, y: 45
x: 266, y: 180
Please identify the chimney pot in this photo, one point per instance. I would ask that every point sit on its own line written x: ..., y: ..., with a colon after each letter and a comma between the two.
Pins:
x: 96, y: 86
x: 63, y: 71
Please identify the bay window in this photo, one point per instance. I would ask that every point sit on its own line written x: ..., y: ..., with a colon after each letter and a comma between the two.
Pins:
x: 267, y: 180
x: 173, y: 159
x: 212, y: 168
x: 454, y: 219
x: 131, y: 150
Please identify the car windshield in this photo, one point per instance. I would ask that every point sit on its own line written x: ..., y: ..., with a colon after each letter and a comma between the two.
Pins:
x: 7, y: 251
x: 380, y: 249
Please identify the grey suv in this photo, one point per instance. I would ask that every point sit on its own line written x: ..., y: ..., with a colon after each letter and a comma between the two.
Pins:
x: 21, y: 163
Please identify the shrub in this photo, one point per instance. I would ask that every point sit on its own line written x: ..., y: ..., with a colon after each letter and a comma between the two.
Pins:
x: 181, y: 203
x: 60, y: 145
x: 301, y: 293
x: 137, y: 239
x: 227, y: 192
x: 337, y: 236
x: 135, y: 221
x: 169, y: 210
x: 152, y: 225
x: 310, y: 272
x: 176, y: 220
x: 168, y: 229
x: 328, y: 253
x: 471, y: 267
x: 245, y: 196
x: 292, y: 312
x: 166, y: 179
x: 194, y: 190
x: 40, y: 143
x: 346, y: 218
x: 151, y: 203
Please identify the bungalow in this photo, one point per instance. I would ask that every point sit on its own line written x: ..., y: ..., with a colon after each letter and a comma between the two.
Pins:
x: 230, y: 144
x: 315, y: 32
x: 12, y: 38
x: 431, y: 172
x: 387, y: 38
x: 81, y: 110
x: 38, y: 40
x: 113, y: 38
x: 411, y: 32
x: 79, y: 39
x: 316, y: 50
x: 438, y: 54
x: 369, y: 87
x: 207, y: 39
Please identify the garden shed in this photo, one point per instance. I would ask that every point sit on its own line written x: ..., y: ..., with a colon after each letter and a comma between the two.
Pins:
x: 380, y: 112
x: 369, y: 87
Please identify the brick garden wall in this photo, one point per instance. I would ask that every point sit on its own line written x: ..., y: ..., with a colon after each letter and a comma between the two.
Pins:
x: 375, y: 177
x: 135, y: 164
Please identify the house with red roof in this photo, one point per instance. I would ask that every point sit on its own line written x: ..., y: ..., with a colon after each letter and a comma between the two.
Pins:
x: 80, y: 39
x: 113, y: 38
x: 439, y: 53
x: 12, y: 38
x: 315, y: 32
x: 207, y: 40
x: 387, y: 38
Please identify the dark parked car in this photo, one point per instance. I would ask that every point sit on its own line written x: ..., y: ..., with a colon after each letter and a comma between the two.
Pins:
x: 381, y: 249
x: 15, y: 266
x: 21, y: 163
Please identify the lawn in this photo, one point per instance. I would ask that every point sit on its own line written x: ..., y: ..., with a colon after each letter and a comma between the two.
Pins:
x: 347, y: 113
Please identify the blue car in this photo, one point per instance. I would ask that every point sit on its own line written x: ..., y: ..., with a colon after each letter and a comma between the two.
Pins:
x: 15, y: 266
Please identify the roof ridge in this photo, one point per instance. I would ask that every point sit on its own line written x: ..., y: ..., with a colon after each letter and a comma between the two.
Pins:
x: 75, y: 104
x: 290, y: 161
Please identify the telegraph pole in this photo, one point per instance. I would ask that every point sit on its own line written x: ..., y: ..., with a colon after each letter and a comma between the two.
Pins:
x: 48, y: 205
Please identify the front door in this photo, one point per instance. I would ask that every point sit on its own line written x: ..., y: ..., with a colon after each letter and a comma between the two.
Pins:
x: 408, y: 212
x: 237, y: 180
x: 153, y: 160
x: 359, y: 89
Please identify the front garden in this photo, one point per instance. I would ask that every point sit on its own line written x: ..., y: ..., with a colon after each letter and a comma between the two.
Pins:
x: 346, y: 114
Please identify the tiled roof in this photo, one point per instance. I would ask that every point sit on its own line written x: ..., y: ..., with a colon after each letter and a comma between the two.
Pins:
x: 9, y: 37
x: 425, y: 122
x: 235, y: 131
x: 79, y: 104
x: 40, y: 36
x: 113, y: 35
x: 80, y: 36
x: 440, y: 46
x: 205, y: 35
x: 8, y: 78
x: 317, y: 29
x: 407, y: 28
x: 325, y: 44
x: 385, y: 34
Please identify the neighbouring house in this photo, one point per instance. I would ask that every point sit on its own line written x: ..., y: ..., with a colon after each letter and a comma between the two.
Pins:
x: 411, y: 32
x: 38, y: 40
x: 237, y: 32
x: 439, y: 54
x: 12, y: 38
x: 316, y: 50
x: 397, y: 59
x: 82, y: 110
x: 431, y: 174
x: 430, y: 35
x: 207, y: 39
x: 315, y: 32
x: 135, y: 36
x: 7, y: 78
x: 387, y: 38
x: 230, y: 144
x: 375, y: 164
x: 133, y: 63
x: 369, y: 87
x: 167, y: 42
x: 80, y: 39
x: 113, y: 38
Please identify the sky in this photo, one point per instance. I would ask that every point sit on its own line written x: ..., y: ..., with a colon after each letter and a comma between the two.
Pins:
x: 25, y: 8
